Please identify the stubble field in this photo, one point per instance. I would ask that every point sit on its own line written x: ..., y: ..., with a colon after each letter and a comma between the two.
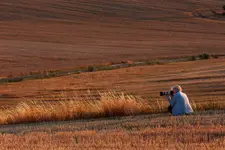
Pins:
x: 202, y: 80
x: 203, y: 130
x: 42, y: 36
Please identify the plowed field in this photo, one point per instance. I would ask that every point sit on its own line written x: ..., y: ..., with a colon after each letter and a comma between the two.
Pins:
x: 47, y: 35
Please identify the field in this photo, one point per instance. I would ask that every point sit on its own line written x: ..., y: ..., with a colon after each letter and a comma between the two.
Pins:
x: 160, y: 131
x: 87, y: 74
x: 55, y: 35
x: 202, y: 80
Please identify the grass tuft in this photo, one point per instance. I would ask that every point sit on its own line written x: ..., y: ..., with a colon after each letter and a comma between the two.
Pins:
x: 204, y: 56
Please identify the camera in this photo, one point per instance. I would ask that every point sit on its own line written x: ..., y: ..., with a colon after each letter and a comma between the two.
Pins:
x: 166, y: 93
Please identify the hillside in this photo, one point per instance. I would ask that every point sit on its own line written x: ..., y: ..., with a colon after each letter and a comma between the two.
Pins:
x: 86, y: 74
x: 202, y: 80
x: 53, y: 35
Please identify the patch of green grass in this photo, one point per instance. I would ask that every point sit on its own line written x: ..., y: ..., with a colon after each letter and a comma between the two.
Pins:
x: 204, y: 56
x: 12, y: 79
x: 153, y: 62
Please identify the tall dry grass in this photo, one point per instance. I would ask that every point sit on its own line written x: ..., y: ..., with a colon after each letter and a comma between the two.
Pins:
x: 110, y: 104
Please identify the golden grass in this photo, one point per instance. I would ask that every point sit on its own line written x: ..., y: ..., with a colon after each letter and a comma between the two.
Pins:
x: 110, y: 104
x: 205, y: 130
x: 157, y: 138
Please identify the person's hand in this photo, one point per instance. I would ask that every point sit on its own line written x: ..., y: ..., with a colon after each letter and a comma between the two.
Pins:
x: 167, y: 97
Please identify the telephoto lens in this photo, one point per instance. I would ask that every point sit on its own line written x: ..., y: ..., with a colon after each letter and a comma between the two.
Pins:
x: 166, y: 93
x: 163, y: 93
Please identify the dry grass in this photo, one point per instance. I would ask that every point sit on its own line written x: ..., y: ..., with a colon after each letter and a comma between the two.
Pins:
x: 158, y: 138
x: 110, y: 104
x: 108, y: 31
x: 202, y: 81
x: 202, y: 131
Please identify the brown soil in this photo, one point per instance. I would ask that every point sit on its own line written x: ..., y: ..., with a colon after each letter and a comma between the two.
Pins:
x: 48, y: 35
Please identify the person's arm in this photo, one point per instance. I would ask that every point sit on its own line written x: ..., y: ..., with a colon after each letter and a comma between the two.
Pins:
x: 172, y: 100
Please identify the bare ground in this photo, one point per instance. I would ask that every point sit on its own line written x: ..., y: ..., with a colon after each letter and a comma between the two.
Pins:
x: 47, y: 35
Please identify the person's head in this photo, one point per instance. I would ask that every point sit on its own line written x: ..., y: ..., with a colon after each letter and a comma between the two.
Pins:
x: 176, y: 89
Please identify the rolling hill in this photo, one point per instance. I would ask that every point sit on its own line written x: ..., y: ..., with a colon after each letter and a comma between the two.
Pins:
x: 42, y: 35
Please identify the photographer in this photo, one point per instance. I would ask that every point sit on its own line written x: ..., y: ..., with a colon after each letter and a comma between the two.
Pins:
x: 179, y: 102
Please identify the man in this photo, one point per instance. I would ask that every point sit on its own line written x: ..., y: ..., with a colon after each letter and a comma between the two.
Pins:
x: 179, y: 102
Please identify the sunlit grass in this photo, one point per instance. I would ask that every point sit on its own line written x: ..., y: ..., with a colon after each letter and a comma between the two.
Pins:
x: 110, y: 104
x: 157, y: 138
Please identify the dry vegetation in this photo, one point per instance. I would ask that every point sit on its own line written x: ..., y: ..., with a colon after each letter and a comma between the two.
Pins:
x: 203, y: 81
x: 39, y: 36
x: 160, y: 131
x: 110, y: 104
